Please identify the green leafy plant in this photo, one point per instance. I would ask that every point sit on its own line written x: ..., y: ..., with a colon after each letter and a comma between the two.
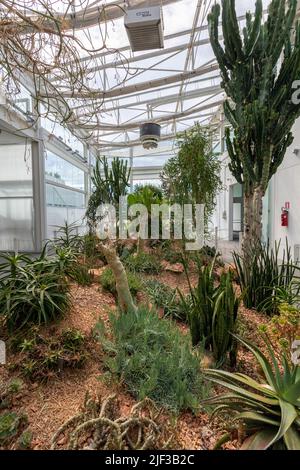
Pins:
x: 283, y: 329
x: 269, y: 411
x: 46, y: 356
x: 165, y: 297
x: 67, y: 236
x: 266, y: 278
x: 212, y: 313
x: 107, y: 281
x: 110, y: 182
x: 153, y: 359
x: 33, y: 291
x: 193, y: 175
x: 8, y: 390
x: 80, y: 273
x: 10, y: 425
x: 143, y: 263
x: 146, y: 195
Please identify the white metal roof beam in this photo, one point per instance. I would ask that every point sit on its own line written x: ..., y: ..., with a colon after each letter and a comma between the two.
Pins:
x: 165, y: 100
x: 170, y: 117
x: 142, y: 93
x: 137, y: 58
x: 126, y: 90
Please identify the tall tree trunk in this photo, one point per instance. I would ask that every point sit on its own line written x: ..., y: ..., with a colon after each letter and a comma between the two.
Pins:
x: 125, y: 299
x: 253, y: 210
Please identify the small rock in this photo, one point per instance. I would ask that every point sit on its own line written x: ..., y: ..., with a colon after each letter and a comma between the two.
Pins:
x: 62, y: 441
x: 174, y: 268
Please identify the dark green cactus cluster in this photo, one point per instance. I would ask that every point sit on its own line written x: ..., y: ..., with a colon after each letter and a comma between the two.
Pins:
x: 259, y: 86
x: 110, y: 182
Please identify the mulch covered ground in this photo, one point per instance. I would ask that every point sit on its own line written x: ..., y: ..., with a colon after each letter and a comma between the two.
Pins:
x: 49, y: 405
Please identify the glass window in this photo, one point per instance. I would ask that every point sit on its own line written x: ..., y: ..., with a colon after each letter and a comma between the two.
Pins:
x: 16, y: 194
x: 62, y: 197
x: 60, y: 171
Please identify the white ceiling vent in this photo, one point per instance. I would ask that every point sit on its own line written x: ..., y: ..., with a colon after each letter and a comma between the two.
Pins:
x: 144, y: 28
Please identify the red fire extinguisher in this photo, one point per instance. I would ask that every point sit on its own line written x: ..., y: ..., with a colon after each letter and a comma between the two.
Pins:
x: 284, y: 217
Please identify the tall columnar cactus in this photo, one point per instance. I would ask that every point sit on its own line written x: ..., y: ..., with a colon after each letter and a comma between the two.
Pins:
x: 258, y: 68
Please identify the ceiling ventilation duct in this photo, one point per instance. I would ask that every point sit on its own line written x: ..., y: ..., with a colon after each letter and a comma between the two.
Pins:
x: 144, y: 28
x: 150, y: 135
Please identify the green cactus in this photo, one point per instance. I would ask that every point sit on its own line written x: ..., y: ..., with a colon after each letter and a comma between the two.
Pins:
x: 259, y: 87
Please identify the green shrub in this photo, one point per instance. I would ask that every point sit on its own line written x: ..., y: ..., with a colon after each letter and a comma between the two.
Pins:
x: 165, y: 297
x: 283, y: 329
x: 80, y: 273
x: 10, y: 425
x: 33, y: 291
x: 212, y: 313
x: 8, y: 390
x: 154, y: 359
x: 41, y: 357
x: 143, y: 263
x: 269, y: 411
x: 24, y: 441
x: 266, y: 280
x: 107, y: 281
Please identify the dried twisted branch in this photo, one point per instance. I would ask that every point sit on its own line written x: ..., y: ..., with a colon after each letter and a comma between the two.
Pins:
x: 42, y: 44
x: 97, y: 422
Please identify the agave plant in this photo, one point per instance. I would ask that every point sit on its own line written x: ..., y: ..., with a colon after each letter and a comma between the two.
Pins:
x: 270, y: 411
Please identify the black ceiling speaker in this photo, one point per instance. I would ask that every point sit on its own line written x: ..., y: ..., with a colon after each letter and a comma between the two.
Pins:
x: 150, y: 135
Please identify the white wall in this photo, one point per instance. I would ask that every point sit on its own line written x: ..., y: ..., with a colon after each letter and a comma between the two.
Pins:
x: 285, y: 187
x: 221, y: 216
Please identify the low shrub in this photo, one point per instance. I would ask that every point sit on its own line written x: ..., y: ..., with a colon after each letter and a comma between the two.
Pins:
x: 107, y: 281
x: 11, y: 427
x: 143, y: 263
x: 163, y: 296
x: 283, y: 329
x: 153, y: 359
x: 14, y: 432
x: 80, y: 273
x: 41, y: 357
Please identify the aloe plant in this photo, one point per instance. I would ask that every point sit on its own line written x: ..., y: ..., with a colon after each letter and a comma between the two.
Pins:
x: 33, y: 291
x: 269, y: 410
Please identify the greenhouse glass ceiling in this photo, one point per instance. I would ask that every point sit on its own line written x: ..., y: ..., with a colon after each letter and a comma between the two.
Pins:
x: 103, y: 92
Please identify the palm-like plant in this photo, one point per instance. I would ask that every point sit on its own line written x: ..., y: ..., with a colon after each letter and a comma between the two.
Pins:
x: 270, y: 411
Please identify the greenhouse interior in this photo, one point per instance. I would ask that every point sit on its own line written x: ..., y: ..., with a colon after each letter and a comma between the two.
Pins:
x: 149, y: 227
